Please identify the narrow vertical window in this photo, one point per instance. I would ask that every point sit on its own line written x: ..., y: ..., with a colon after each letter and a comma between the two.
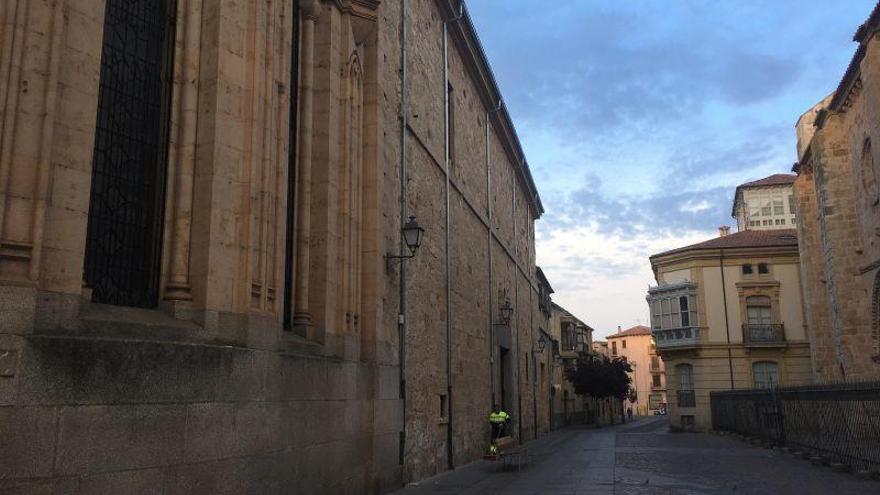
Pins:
x: 686, y: 396
x: 765, y: 374
x: 126, y: 206
x: 685, y: 315
x: 450, y: 129
x: 869, y: 175
x: 875, y: 318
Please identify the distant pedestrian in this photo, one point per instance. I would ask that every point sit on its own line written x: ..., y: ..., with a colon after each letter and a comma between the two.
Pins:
x: 629, y: 413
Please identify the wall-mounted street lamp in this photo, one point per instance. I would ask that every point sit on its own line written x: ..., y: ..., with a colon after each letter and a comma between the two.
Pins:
x: 541, y: 344
x: 412, y: 236
x: 506, y: 310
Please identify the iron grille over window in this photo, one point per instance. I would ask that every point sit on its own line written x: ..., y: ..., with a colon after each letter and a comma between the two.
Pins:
x: 131, y: 136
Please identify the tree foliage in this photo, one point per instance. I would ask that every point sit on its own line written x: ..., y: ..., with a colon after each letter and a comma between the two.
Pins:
x: 600, y: 377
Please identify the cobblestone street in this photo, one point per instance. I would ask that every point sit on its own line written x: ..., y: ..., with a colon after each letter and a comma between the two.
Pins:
x: 644, y: 458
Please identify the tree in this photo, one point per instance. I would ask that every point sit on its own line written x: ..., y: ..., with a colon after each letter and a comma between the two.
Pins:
x: 600, y: 377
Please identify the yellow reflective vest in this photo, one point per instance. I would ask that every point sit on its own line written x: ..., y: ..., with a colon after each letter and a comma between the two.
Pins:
x: 498, y: 417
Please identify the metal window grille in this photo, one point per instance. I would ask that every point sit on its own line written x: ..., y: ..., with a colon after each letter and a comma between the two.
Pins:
x: 131, y: 137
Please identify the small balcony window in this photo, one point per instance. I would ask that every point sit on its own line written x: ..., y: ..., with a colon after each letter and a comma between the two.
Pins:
x: 686, y: 396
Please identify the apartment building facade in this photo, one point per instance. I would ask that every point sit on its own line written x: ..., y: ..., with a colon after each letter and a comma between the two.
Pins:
x: 727, y: 314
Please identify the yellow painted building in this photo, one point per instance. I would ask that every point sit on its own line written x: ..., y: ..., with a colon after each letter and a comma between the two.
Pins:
x: 728, y: 313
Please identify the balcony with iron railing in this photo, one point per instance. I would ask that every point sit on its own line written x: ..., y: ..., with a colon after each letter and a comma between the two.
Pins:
x: 686, y: 398
x: 763, y: 335
x: 676, y: 337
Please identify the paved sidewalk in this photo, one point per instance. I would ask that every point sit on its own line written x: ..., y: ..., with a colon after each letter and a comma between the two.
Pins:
x: 644, y: 458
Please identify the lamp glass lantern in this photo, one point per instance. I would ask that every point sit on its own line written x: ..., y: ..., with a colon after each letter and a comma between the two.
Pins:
x: 542, y: 342
x: 506, y: 311
x: 412, y: 234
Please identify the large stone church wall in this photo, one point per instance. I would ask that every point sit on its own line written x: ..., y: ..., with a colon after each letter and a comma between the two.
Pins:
x: 209, y: 392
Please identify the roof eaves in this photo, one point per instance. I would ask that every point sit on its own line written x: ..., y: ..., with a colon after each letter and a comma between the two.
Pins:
x: 482, y: 61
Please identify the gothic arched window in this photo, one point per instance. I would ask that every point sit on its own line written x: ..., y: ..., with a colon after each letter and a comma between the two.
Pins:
x: 350, y: 207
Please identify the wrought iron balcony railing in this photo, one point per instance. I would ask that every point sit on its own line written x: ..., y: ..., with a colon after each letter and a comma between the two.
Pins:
x: 686, y: 398
x: 676, y: 337
x: 764, y: 334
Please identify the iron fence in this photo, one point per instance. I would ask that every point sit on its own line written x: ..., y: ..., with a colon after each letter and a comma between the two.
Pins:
x: 839, y: 423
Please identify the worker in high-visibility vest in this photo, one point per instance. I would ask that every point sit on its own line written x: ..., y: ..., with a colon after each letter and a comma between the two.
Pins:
x: 498, y: 418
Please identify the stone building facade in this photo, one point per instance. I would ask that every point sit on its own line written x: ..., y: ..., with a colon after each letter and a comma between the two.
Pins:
x: 728, y: 313
x: 839, y: 218
x: 198, y: 201
x: 572, y: 339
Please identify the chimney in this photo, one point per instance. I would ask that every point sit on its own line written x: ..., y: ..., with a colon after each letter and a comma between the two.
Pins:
x: 618, y: 329
x: 724, y: 230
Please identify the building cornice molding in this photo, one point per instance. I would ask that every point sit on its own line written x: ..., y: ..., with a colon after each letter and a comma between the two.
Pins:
x: 465, y: 37
x: 757, y: 284
x: 366, y: 9
x: 730, y: 254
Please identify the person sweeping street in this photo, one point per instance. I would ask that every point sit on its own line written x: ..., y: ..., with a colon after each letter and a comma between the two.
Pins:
x: 497, y: 419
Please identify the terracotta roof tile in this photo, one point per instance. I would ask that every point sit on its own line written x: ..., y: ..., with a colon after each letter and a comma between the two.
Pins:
x: 744, y: 239
x: 636, y: 330
x: 773, y: 180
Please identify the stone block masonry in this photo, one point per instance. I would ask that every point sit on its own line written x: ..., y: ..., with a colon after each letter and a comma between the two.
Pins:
x: 837, y: 190
x: 272, y: 361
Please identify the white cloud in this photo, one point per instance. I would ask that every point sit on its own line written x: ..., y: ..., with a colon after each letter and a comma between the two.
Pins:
x: 603, y: 279
x: 692, y: 206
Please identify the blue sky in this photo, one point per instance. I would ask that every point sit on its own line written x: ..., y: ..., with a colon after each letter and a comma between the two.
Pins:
x: 640, y: 117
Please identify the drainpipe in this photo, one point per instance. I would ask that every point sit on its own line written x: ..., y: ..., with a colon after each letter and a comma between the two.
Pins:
x: 489, y: 255
x: 726, y: 318
x: 516, y: 305
x: 489, y: 115
x: 450, y: 459
x: 401, y: 316
x: 535, y: 387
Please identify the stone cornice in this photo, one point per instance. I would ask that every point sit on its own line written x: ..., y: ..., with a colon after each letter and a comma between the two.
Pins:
x: 365, y: 9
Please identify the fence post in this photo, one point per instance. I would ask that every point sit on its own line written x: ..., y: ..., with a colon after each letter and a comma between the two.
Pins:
x: 780, y: 416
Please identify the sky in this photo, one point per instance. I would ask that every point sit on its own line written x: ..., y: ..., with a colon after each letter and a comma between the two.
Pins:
x: 639, y: 118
